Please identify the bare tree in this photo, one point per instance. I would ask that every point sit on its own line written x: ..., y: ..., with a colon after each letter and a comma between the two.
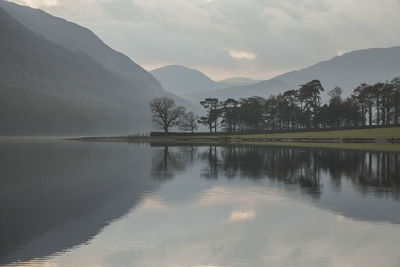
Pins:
x: 189, y: 122
x: 165, y: 113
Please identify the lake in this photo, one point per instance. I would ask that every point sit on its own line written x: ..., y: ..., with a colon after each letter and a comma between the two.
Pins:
x: 65, y: 203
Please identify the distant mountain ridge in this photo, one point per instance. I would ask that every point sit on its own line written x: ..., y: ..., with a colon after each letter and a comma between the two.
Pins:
x: 182, y: 80
x: 347, y: 71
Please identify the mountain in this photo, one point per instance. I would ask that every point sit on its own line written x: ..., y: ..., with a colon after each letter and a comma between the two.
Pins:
x: 238, y: 81
x: 77, y: 38
x: 182, y: 80
x: 347, y: 71
x: 57, y: 78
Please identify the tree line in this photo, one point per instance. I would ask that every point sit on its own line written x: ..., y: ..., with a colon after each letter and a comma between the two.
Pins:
x: 302, y: 108
x: 166, y: 115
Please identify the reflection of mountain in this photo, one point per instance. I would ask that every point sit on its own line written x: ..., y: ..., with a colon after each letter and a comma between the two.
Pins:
x: 357, y: 184
x: 54, y: 196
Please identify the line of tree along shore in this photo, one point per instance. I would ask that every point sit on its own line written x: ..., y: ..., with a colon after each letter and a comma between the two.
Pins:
x: 377, y: 104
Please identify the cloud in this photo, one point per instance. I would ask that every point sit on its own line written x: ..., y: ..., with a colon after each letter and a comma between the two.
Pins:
x: 265, y: 37
x: 37, y: 3
x: 241, y: 55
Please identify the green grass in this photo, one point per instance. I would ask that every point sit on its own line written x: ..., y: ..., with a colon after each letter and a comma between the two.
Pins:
x: 387, y: 133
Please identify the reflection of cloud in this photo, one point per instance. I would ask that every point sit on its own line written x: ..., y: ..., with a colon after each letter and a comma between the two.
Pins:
x: 223, y: 195
x: 151, y: 202
x: 242, y: 215
x: 340, y: 218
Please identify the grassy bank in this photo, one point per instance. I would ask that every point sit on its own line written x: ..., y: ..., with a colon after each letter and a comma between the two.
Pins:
x: 358, y: 139
x: 386, y: 133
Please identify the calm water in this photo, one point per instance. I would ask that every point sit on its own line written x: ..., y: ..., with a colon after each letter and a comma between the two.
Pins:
x: 110, y: 204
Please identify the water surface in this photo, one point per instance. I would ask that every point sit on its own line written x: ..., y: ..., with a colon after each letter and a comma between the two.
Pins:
x: 110, y: 204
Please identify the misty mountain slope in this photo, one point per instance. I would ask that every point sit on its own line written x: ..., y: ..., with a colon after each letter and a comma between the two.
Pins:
x: 47, y: 89
x: 347, y: 71
x: 263, y: 89
x: 69, y: 88
x: 77, y: 38
x: 181, y: 80
x: 238, y: 81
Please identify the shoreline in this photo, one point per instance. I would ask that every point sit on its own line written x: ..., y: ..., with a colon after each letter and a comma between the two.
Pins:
x: 379, y: 144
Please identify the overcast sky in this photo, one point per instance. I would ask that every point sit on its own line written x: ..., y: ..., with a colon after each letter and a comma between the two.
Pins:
x: 226, y: 38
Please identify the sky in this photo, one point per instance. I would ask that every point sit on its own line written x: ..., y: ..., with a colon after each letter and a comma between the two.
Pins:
x: 257, y: 39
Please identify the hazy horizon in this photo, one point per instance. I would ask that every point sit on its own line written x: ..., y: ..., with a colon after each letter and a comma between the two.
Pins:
x: 224, y: 39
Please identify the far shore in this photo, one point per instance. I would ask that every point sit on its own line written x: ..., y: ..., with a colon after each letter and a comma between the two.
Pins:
x: 379, y: 139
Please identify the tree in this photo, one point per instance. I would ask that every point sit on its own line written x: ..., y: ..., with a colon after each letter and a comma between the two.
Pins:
x: 290, y: 98
x: 309, y: 94
x: 335, y: 95
x: 165, y: 113
x: 351, y: 113
x: 271, y: 112
x: 360, y: 98
x: 230, y: 114
x: 188, y: 122
x: 302, y: 108
x: 333, y: 113
x: 252, y: 112
x: 368, y: 95
x: 395, y: 98
x: 213, y: 113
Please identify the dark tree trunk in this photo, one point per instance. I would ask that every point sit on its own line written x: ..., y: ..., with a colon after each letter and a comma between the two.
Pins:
x: 370, y: 115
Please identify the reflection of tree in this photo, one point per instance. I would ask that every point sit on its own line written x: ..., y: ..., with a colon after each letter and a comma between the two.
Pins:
x: 283, y: 165
x: 211, y: 156
x: 377, y: 172
x: 167, y: 161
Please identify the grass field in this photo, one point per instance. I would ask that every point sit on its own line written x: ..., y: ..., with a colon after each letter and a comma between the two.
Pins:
x: 253, y: 140
x: 387, y: 133
x: 262, y: 139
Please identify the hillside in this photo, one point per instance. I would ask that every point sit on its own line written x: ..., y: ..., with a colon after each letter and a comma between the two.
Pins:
x: 47, y: 89
x: 77, y: 38
x: 55, y: 88
x: 347, y: 71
